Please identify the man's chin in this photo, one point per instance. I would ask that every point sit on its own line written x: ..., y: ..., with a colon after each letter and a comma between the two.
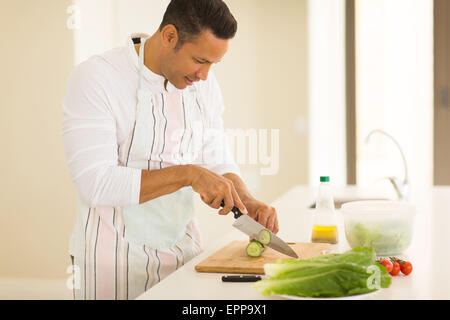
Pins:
x: 179, y: 85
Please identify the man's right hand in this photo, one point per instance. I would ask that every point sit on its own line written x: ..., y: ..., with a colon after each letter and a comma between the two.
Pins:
x: 214, y: 189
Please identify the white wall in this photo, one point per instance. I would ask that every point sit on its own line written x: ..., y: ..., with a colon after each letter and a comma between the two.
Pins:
x: 138, y: 16
x: 95, y: 26
x: 264, y: 80
x: 326, y: 71
x: 394, y: 51
x: 105, y: 24
x: 394, y: 90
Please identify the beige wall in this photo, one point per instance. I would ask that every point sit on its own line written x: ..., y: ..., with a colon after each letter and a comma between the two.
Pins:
x: 36, y: 194
x: 263, y: 79
x: 264, y: 82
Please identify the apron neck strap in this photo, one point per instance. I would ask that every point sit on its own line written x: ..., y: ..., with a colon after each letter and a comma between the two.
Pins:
x: 141, y: 62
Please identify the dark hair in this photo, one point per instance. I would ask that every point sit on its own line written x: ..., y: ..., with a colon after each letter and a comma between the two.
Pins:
x: 192, y: 17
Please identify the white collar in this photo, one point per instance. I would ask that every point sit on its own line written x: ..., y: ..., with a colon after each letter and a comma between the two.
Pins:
x: 154, y: 79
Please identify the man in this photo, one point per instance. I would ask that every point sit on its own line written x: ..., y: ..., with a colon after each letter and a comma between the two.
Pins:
x: 137, y: 133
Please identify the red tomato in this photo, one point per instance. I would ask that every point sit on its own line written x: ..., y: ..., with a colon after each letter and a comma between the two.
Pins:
x: 387, y: 264
x: 395, y: 269
x: 406, y: 268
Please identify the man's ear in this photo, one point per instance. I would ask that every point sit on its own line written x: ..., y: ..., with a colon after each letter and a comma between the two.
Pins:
x: 169, y: 36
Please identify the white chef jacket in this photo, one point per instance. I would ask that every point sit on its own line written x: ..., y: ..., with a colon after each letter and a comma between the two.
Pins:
x: 99, y: 114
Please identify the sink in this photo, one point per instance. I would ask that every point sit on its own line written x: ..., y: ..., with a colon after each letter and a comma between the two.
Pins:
x: 340, y: 201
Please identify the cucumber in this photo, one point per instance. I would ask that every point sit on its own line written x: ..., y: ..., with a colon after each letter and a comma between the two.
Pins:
x: 255, y: 249
x: 264, y: 236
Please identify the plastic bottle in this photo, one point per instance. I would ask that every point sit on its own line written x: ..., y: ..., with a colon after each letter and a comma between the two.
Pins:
x: 325, y: 223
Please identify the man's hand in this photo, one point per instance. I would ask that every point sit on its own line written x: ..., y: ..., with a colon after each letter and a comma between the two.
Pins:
x: 214, y: 189
x: 263, y: 214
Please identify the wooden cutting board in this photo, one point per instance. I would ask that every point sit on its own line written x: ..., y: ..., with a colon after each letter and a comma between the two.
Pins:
x: 233, y: 258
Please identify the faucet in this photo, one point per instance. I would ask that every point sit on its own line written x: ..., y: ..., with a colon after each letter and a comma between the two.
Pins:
x: 401, y: 187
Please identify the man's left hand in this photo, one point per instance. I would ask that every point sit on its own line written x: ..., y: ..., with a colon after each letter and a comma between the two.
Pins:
x: 263, y: 213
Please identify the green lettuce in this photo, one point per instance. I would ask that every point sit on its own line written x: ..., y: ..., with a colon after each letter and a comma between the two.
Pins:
x: 386, y: 239
x: 331, y: 275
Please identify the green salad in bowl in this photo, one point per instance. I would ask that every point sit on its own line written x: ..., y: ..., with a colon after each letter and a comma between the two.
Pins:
x: 385, y: 226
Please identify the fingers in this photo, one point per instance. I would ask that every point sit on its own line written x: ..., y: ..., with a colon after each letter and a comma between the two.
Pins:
x: 267, y: 216
x: 263, y: 217
x: 216, y: 202
x: 237, y: 200
x: 229, y: 204
x: 276, y: 225
x: 214, y: 188
x: 272, y: 222
x: 231, y: 199
x: 207, y: 199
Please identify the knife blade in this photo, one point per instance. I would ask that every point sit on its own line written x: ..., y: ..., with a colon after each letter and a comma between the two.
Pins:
x: 252, y: 228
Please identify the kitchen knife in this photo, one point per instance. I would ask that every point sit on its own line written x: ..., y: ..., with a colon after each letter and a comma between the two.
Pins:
x: 252, y: 228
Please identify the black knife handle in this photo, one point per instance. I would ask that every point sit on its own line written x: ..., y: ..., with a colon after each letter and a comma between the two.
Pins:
x: 242, y: 278
x: 236, y: 211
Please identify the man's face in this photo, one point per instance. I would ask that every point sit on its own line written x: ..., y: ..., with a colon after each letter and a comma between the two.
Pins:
x: 192, y: 61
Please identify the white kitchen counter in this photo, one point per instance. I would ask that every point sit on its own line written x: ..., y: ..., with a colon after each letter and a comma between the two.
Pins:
x: 429, y: 251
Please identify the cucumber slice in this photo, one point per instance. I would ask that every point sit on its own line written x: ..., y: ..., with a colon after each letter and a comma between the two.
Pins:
x: 264, y: 236
x: 254, y: 249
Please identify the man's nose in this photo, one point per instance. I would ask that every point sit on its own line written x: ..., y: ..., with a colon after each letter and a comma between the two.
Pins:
x: 202, y: 73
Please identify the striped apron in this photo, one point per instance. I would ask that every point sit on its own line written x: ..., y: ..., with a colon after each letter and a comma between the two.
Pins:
x: 124, y: 251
